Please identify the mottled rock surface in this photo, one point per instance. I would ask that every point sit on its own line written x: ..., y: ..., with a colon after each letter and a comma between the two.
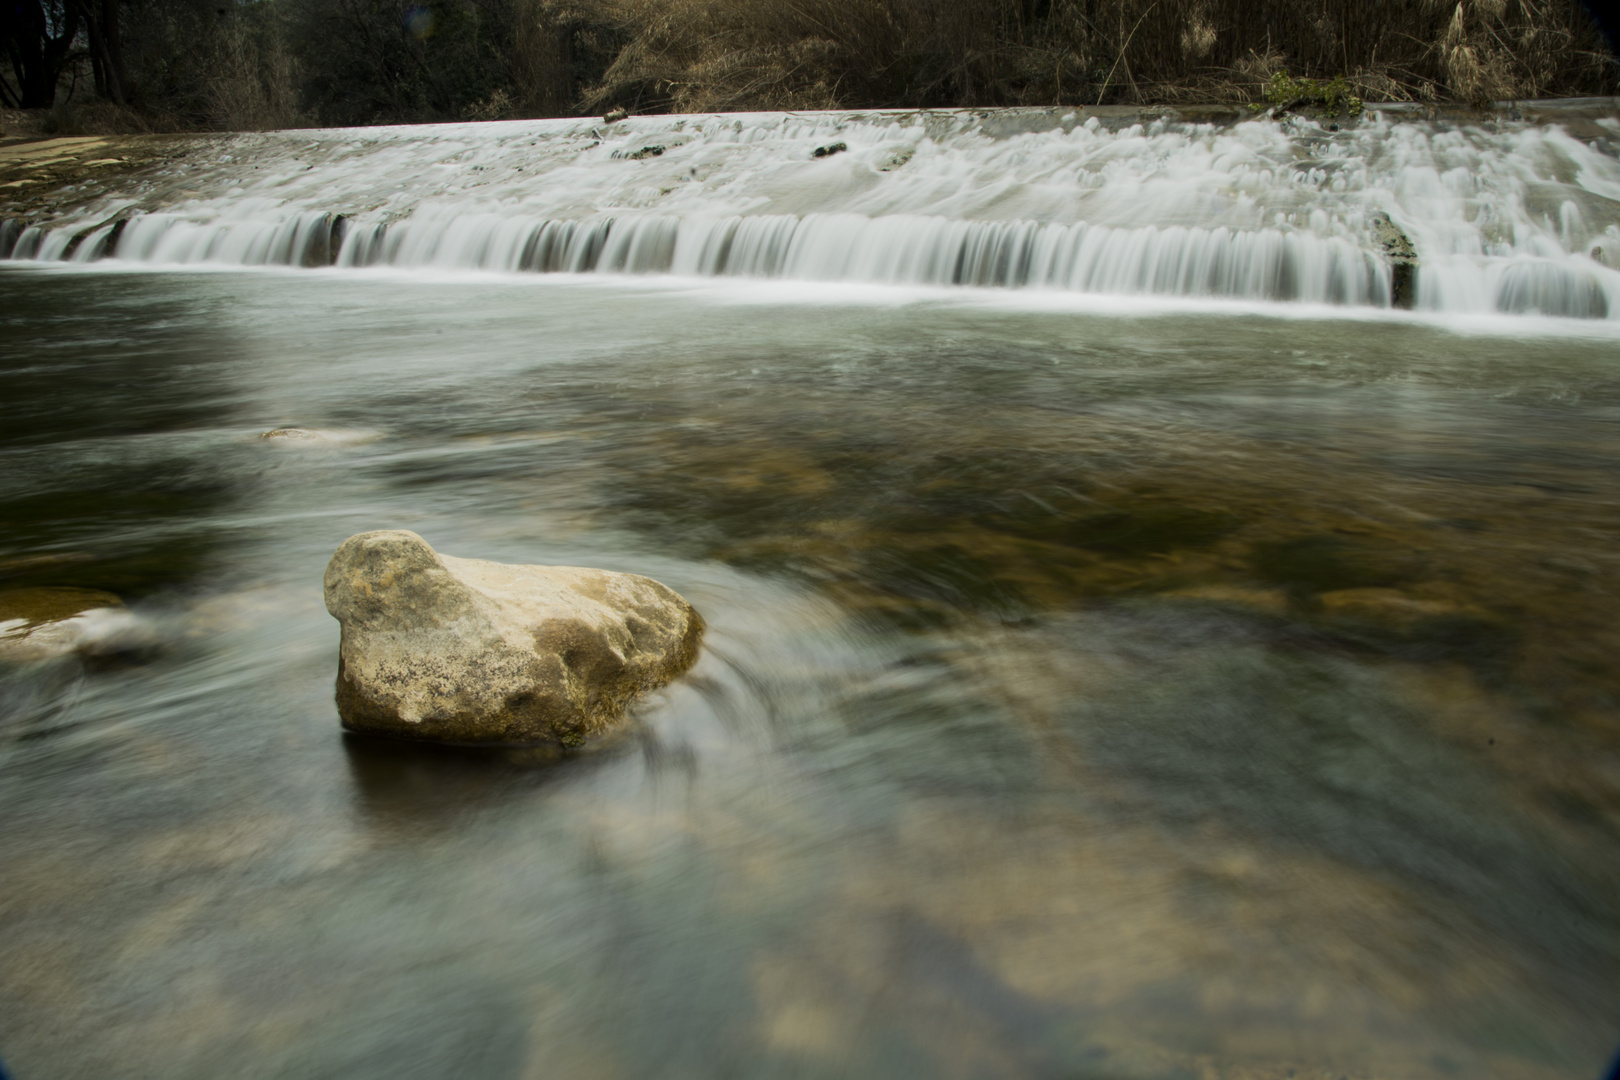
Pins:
x: 467, y: 651
x: 1403, y: 261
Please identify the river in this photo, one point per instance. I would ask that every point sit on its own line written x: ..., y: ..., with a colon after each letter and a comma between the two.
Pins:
x: 1103, y: 684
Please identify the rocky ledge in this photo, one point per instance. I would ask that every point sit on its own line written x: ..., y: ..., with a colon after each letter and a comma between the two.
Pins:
x: 473, y: 652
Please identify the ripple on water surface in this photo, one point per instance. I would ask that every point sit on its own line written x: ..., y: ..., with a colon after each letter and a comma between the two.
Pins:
x: 1143, y: 695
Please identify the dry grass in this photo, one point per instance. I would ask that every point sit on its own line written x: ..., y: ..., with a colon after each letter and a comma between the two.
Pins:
x: 715, y: 55
x: 249, y: 81
x: 282, y: 63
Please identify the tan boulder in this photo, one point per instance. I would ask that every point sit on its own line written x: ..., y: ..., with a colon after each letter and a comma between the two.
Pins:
x: 467, y: 651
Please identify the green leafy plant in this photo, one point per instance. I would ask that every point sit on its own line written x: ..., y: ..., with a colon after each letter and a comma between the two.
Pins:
x: 1333, y: 96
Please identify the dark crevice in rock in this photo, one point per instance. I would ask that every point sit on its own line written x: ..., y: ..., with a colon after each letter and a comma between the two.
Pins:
x: 10, y: 230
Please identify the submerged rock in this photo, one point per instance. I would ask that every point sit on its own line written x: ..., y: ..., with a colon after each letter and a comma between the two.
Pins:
x: 318, y: 436
x: 1266, y: 601
x: 897, y: 159
x: 46, y: 623
x: 467, y: 651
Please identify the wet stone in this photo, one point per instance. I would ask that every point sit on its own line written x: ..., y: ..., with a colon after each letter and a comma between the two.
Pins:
x: 1403, y: 260
x: 472, y: 652
x: 1416, y: 627
x: 1389, y: 606
x: 44, y: 623
x: 291, y: 436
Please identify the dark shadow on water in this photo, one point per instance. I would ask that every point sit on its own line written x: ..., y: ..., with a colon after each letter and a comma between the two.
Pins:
x: 111, y: 465
x: 1324, y: 563
x: 401, y: 782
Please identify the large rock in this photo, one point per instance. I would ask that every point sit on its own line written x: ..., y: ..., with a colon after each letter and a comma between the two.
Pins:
x: 468, y: 651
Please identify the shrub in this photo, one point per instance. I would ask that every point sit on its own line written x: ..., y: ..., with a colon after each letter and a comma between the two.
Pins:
x: 1334, y: 97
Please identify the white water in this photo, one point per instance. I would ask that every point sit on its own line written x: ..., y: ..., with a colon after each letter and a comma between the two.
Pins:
x: 1504, y: 217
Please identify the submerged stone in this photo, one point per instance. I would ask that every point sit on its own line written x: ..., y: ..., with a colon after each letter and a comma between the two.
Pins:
x: 473, y: 652
x: 318, y: 436
x: 1263, y: 601
x: 1419, y: 627
x: 1403, y: 261
x: 46, y: 623
x: 1327, y: 563
x: 1389, y: 606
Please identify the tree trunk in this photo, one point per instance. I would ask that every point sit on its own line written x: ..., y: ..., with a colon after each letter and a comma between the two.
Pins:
x: 36, y: 55
x: 106, y: 48
x: 541, y: 63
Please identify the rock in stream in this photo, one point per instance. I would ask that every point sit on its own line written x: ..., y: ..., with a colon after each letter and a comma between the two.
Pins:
x: 473, y: 652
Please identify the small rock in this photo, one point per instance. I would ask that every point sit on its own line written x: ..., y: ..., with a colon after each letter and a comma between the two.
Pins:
x: 1403, y: 260
x: 473, y: 652
x: 897, y: 160
x: 613, y: 116
x: 290, y: 433
x: 45, y: 623
x: 830, y: 149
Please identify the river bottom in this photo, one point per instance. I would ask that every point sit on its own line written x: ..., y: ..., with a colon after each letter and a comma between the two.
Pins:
x: 1151, y: 694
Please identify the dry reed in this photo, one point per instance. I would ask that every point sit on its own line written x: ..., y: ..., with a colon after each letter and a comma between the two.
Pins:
x: 713, y: 55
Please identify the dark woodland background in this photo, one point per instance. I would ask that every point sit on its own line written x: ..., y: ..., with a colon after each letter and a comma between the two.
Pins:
x: 170, y: 65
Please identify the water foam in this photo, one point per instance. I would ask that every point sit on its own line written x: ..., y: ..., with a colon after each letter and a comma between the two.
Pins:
x: 1505, y: 218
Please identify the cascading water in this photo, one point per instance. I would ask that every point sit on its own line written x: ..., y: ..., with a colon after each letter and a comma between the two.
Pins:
x: 1505, y: 217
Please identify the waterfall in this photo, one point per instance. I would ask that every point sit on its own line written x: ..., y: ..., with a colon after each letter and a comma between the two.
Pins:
x: 1505, y: 217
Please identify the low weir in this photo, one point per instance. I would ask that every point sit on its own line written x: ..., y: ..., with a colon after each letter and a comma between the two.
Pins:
x: 1497, y: 216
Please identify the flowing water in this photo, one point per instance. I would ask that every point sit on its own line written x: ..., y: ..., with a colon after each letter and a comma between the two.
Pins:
x: 1508, y: 217
x: 1195, y: 674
